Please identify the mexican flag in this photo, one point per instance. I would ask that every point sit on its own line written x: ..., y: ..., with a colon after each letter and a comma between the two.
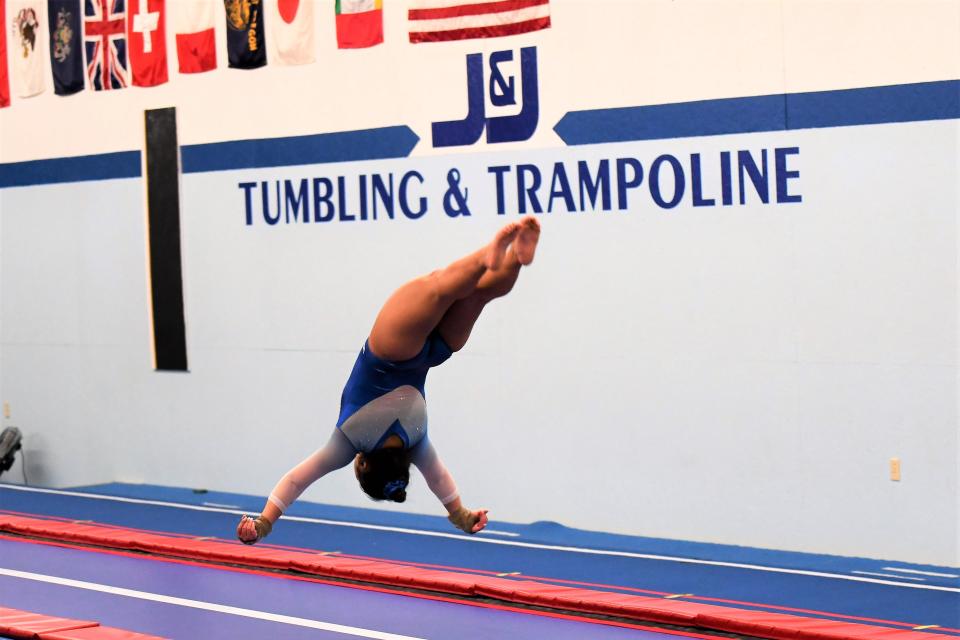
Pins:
x: 359, y: 23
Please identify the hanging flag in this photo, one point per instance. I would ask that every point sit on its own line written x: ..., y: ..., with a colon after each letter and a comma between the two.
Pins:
x: 359, y: 23
x: 4, y: 78
x: 105, y: 41
x: 196, y: 44
x: 28, y: 46
x: 66, y: 56
x: 291, y: 31
x: 440, y: 20
x: 148, y: 42
x: 245, y: 37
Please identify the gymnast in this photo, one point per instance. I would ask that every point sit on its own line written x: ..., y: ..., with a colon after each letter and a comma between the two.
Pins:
x: 382, y: 426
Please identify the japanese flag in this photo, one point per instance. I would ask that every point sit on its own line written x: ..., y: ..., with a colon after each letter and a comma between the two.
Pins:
x: 291, y: 31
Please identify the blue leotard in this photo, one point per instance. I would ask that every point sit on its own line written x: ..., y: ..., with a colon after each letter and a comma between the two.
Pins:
x: 384, y: 398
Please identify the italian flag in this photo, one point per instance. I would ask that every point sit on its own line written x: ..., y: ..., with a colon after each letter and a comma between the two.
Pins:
x: 359, y: 23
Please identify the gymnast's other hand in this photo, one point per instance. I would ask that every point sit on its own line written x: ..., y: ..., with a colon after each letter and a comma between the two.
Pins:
x: 468, y: 521
x: 252, y: 530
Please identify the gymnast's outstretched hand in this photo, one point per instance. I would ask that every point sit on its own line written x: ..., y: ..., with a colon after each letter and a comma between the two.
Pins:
x: 252, y: 530
x: 468, y: 521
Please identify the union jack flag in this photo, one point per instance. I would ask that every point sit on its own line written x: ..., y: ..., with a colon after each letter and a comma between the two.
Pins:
x: 105, y: 41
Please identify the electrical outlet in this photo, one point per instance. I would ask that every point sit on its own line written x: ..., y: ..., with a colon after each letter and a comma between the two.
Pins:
x: 6, y: 410
x: 895, y: 469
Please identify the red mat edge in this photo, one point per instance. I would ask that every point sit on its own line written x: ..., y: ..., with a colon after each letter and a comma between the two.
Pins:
x: 774, y: 626
x: 26, y: 624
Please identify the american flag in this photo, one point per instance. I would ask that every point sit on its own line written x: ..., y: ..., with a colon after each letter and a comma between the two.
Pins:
x: 441, y: 20
x: 105, y: 41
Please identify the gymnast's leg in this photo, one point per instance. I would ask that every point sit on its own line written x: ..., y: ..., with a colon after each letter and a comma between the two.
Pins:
x: 457, y: 323
x: 417, y: 308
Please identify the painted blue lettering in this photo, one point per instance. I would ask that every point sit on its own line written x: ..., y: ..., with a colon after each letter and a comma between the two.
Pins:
x: 384, y: 193
x: 498, y: 171
x: 363, y: 196
x: 405, y: 202
x: 696, y: 183
x: 758, y: 176
x: 248, y: 199
x: 623, y: 184
x: 524, y: 192
x: 678, y: 181
x: 560, y: 188
x: 342, y: 214
x: 726, y: 179
x: 323, y: 198
x: 264, y: 193
x: 780, y: 159
x: 600, y: 185
x: 294, y: 200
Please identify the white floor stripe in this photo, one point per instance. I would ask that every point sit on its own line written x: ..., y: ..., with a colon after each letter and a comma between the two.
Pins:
x: 207, y: 606
x: 922, y: 573
x: 885, y: 575
x: 510, y: 543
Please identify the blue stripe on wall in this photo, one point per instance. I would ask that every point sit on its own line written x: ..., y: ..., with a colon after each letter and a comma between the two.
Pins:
x: 848, y: 107
x: 872, y: 105
x: 367, y: 144
x: 681, y: 120
x: 104, y: 166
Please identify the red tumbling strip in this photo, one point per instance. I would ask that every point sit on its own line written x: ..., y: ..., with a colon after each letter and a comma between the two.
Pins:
x: 774, y: 626
x: 23, y: 624
x: 779, y: 625
x: 97, y: 633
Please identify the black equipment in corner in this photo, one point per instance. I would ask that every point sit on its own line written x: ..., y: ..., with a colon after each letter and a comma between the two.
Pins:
x: 9, y: 445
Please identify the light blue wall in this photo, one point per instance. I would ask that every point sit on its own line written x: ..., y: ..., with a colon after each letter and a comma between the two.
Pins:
x: 738, y: 374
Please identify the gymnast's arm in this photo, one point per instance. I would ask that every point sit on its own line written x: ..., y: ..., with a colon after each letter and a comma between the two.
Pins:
x: 337, y: 453
x: 441, y: 483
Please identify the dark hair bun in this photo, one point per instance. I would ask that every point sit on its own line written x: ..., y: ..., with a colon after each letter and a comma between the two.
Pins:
x: 385, y: 474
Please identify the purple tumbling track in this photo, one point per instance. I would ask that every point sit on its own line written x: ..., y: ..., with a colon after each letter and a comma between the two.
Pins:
x: 377, y: 613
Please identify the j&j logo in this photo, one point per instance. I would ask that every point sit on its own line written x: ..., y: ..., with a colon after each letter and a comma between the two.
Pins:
x: 502, y: 91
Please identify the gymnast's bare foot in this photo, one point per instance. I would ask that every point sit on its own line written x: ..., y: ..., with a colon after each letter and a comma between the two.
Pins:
x: 525, y: 245
x: 498, y: 246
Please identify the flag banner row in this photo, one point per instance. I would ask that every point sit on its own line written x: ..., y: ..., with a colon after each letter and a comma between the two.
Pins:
x: 107, y: 45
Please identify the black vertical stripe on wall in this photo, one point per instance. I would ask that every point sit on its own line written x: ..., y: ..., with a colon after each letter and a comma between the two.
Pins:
x: 163, y: 219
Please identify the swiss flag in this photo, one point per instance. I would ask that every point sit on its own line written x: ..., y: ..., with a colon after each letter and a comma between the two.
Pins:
x: 147, y: 38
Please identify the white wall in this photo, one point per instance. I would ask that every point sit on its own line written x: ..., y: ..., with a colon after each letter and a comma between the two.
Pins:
x: 599, y: 53
x: 738, y: 375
